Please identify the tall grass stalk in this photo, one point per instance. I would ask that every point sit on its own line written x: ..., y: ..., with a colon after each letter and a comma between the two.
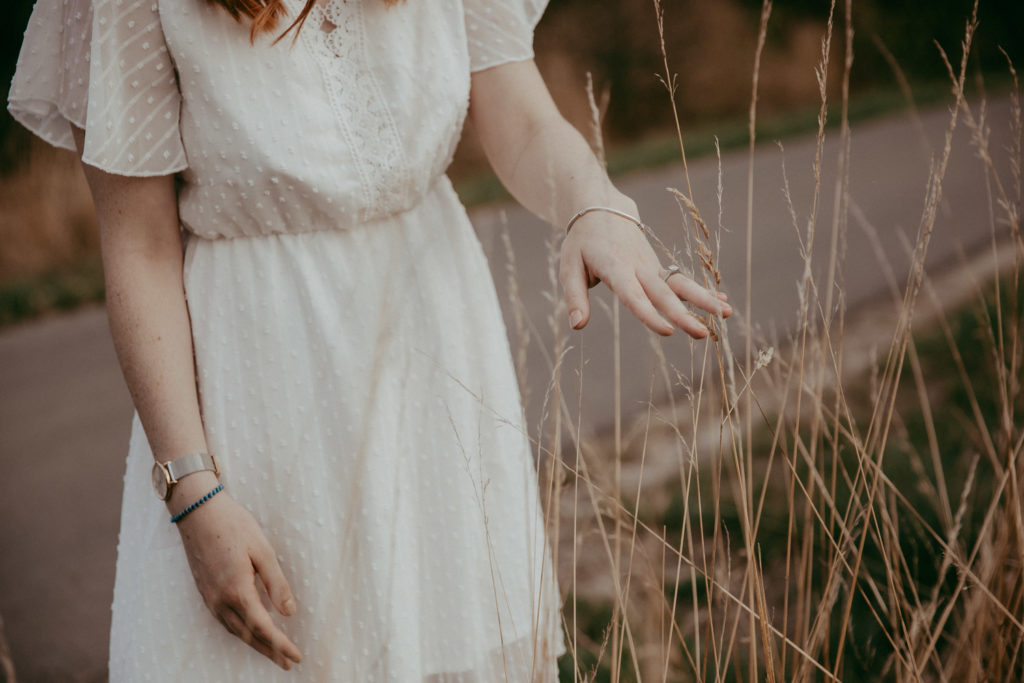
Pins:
x: 790, y: 515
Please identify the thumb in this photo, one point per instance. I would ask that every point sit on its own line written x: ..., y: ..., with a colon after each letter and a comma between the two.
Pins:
x: 267, y: 566
x: 577, y: 300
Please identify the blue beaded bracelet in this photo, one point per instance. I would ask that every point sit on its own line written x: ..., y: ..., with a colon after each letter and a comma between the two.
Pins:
x: 181, y: 515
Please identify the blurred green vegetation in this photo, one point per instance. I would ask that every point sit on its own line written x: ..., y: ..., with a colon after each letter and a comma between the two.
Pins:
x: 960, y: 437
x: 907, y: 465
x: 662, y: 147
x: 910, y: 30
x: 60, y: 289
x: 620, y: 45
x: 710, y: 45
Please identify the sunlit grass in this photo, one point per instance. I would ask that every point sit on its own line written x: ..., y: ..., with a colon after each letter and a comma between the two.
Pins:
x: 824, y: 519
x: 811, y: 519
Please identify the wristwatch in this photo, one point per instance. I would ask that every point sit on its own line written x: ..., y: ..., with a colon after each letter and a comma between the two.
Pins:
x: 167, y: 474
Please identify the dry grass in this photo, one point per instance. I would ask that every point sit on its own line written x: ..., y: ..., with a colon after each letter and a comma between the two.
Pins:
x: 49, y: 239
x: 6, y: 665
x: 716, y: 34
x: 46, y: 215
x: 789, y: 514
x: 810, y: 517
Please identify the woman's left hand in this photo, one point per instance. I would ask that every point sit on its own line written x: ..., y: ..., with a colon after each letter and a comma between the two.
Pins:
x: 548, y: 166
x: 603, y: 247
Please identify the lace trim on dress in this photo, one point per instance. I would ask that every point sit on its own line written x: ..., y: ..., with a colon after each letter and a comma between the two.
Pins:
x: 337, y: 35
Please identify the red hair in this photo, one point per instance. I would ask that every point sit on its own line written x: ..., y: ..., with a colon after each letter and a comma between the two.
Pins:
x: 266, y: 13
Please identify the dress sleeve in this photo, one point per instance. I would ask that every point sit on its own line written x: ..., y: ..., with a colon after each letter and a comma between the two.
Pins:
x: 500, y: 31
x: 103, y: 66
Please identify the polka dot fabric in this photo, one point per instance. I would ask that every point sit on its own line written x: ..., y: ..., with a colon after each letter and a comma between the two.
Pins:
x: 50, y: 90
x: 354, y: 373
x: 357, y: 388
x: 500, y: 31
x: 107, y: 70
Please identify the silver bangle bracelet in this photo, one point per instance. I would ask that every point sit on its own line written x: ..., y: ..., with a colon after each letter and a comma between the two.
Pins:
x: 607, y: 209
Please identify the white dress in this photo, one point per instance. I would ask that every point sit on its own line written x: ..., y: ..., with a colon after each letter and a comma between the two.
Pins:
x: 354, y: 373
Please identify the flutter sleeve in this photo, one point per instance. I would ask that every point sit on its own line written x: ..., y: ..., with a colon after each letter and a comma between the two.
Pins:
x: 103, y: 66
x: 500, y: 31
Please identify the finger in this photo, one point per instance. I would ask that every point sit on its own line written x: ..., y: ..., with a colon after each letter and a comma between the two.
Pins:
x: 574, y: 284
x: 670, y: 305
x: 257, y: 620
x: 235, y: 625
x: 632, y: 295
x: 266, y: 565
x: 689, y: 290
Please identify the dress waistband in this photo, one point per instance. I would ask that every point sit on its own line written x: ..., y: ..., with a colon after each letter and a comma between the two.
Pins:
x: 441, y: 186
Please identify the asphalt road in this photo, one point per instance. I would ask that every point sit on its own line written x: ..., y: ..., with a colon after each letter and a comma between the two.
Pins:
x: 64, y: 411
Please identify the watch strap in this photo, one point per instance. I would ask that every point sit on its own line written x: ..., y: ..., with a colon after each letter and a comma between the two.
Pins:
x: 189, y: 464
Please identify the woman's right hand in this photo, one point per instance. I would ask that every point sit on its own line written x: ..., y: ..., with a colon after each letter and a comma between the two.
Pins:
x: 226, y: 551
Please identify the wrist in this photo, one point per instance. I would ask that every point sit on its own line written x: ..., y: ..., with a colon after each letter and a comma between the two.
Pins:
x: 596, y: 211
x: 189, y: 489
x: 611, y: 197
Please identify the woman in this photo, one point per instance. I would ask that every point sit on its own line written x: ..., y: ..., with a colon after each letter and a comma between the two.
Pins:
x: 329, y: 331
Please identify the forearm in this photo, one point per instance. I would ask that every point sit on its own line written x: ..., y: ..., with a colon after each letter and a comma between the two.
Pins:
x: 152, y: 336
x: 570, y: 177
x: 542, y: 160
x: 149, y: 323
x: 150, y: 327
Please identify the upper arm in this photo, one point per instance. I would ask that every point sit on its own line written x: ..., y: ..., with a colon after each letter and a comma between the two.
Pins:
x: 134, y: 213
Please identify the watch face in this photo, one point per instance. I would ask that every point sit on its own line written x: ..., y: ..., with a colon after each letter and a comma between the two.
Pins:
x: 160, y: 481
